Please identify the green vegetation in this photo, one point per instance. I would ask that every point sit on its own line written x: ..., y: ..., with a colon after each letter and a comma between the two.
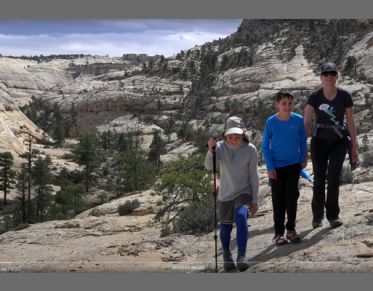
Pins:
x: 346, y: 175
x: 186, y: 194
x: 367, y: 159
x: 48, y: 117
x: 7, y: 175
x: 87, y: 155
x: 128, y: 207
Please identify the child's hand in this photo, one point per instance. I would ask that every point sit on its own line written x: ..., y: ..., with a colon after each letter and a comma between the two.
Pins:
x: 253, y: 209
x: 211, y: 143
x: 303, y: 165
x: 272, y: 175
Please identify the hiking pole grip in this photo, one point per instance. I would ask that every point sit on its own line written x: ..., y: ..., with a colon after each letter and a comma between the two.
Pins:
x: 215, y: 194
x: 214, y: 167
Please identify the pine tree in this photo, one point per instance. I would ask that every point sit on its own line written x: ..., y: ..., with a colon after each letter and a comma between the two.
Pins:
x: 87, y: 155
x: 157, y: 148
x: 30, y: 155
x: 42, y: 178
x: 21, y: 187
x: 136, y: 171
x: 7, y: 175
x: 70, y: 198
x: 58, y: 130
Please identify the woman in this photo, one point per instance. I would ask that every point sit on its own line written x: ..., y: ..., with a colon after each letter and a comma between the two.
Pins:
x: 328, y: 146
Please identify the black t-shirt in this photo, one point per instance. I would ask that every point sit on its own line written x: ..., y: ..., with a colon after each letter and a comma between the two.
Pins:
x: 329, y: 112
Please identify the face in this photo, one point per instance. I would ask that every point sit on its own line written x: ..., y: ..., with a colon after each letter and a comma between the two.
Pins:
x: 329, y: 78
x: 234, y: 139
x: 285, y: 105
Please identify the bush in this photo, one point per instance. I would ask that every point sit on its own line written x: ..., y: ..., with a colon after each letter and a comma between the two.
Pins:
x: 367, y: 159
x: 165, y: 231
x: 2, y: 228
x: 68, y: 156
x: 197, y: 218
x: 346, y: 175
x: 21, y: 226
x: 128, y: 207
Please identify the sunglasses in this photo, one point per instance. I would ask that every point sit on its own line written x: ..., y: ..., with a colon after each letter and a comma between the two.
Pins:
x: 325, y: 74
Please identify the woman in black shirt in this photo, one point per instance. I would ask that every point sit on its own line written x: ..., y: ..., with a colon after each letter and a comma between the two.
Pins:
x: 328, y: 146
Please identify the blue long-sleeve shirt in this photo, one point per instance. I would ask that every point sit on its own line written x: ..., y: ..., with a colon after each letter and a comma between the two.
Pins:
x: 284, y: 141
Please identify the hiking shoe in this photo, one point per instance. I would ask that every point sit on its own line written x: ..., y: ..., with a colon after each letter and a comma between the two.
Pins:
x: 293, y: 237
x: 279, y: 240
x: 335, y: 223
x: 242, y: 264
x: 316, y: 223
x: 228, y: 261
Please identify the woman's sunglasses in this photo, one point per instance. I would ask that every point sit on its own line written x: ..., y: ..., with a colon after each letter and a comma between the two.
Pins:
x: 325, y: 74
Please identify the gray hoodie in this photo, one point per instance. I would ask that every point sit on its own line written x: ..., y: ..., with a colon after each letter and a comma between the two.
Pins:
x: 238, y: 170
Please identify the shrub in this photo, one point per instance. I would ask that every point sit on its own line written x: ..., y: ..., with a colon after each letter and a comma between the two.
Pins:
x: 367, y: 159
x: 2, y: 228
x: 128, y: 207
x: 21, y: 226
x: 165, y: 231
x: 197, y: 218
x: 68, y: 156
x: 346, y: 175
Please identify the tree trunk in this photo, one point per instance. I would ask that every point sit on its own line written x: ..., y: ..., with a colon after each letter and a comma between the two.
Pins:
x: 5, y: 184
x: 23, y: 204
x: 29, y: 182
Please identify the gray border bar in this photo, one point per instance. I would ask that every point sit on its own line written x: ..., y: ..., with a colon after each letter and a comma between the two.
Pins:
x: 52, y: 9
x: 177, y: 281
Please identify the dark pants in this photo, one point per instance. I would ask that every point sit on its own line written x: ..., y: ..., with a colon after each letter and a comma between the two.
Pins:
x: 327, y: 161
x: 285, y: 194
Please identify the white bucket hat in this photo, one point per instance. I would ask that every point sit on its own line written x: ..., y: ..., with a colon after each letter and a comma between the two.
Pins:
x: 234, y: 125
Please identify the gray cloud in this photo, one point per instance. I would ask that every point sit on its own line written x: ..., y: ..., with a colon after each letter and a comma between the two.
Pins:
x: 114, y: 37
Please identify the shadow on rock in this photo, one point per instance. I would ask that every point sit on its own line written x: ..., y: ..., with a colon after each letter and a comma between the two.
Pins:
x: 273, y: 251
x: 252, y: 233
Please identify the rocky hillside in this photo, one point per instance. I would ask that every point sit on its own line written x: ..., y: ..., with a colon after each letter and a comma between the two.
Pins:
x: 236, y: 75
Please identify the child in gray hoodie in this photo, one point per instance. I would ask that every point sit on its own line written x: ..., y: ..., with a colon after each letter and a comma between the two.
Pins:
x: 239, y: 187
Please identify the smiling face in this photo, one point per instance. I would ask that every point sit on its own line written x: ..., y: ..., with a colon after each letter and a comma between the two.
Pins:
x: 285, y: 106
x: 329, y: 79
x: 234, y: 140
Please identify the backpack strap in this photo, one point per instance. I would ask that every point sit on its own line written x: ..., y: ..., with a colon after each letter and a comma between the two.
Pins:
x: 337, y: 129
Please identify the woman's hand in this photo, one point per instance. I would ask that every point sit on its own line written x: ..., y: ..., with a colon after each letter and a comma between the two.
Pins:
x: 354, y: 154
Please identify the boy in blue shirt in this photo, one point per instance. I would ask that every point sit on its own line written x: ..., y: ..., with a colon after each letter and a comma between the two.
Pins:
x: 284, y: 148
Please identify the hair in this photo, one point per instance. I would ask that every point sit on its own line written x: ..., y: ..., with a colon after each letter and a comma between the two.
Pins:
x: 283, y: 94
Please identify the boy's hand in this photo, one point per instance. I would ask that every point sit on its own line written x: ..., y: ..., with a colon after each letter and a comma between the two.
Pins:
x: 253, y: 209
x: 272, y: 175
x: 303, y: 165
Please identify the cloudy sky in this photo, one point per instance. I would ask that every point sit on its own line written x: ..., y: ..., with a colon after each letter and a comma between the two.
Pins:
x: 109, y: 37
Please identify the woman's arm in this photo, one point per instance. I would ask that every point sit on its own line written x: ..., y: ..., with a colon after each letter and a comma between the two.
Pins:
x: 308, y: 112
x: 352, y: 131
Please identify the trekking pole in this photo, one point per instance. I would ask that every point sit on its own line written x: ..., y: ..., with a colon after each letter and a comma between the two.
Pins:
x: 215, y: 194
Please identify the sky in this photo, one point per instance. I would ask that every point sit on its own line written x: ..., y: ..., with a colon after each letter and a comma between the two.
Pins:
x: 113, y: 37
